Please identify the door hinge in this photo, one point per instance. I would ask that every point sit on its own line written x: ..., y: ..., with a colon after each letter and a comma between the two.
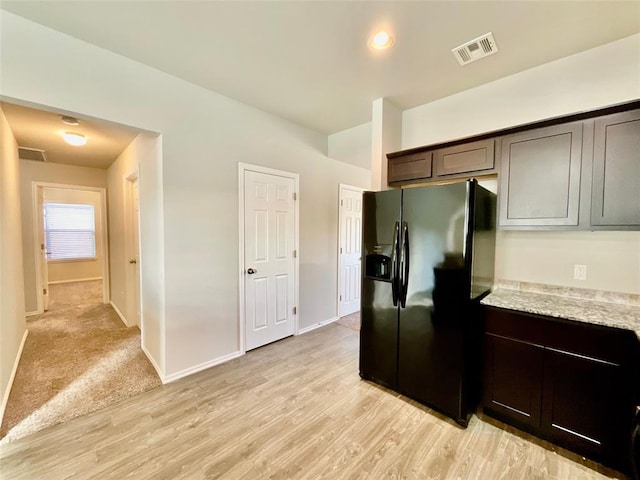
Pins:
x: 340, y: 297
x: 295, y: 254
x: 340, y: 249
x: 44, y: 291
x: 295, y: 310
x: 295, y: 196
x: 341, y: 202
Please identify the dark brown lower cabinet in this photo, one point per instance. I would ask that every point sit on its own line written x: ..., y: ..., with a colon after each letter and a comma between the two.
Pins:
x: 584, y: 404
x: 573, y: 384
x: 508, y: 359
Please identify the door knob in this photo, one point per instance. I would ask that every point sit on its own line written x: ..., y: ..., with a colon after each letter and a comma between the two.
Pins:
x: 251, y: 271
x: 133, y: 260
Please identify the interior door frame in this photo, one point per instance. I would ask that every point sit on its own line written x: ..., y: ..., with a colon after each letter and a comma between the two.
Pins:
x: 128, y: 179
x: 36, y: 226
x: 246, y: 167
x: 341, y: 187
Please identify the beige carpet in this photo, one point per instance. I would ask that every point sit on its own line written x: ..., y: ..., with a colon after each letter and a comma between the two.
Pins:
x: 350, y: 321
x: 78, y: 357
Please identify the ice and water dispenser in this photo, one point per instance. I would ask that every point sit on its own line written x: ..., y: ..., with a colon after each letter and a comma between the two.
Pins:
x: 377, y: 264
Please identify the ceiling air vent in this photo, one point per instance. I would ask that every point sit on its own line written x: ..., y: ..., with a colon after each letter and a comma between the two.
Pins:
x: 35, y: 154
x: 475, y: 49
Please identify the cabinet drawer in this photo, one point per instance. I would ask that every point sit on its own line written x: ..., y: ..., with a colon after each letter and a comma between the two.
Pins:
x: 415, y: 166
x: 515, y: 325
x: 594, y: 342
x: 466, y: 158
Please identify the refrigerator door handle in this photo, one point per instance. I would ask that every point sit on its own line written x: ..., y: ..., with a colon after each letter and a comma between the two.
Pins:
x: 405, y: 265
x: 394, y: 265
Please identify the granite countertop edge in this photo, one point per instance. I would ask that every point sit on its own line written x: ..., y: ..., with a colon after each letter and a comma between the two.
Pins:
x: 580, y: 310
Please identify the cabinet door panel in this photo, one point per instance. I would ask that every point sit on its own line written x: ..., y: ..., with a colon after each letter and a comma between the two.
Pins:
x: 513, y: 379
x: 584, y: 404
x: 415, y: 166
x: 616, y: 170
x: 540, y: 176
x: 469, y: 157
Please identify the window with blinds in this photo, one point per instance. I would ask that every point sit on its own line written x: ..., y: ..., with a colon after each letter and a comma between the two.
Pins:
x: 70, y: 231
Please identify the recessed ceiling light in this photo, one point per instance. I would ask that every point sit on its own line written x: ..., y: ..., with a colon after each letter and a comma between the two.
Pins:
x: 75, y: 139
x: 70, y: 120
x: 381, y: 40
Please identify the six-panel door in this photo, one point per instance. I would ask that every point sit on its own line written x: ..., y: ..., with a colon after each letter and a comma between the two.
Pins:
x: 269, y: 258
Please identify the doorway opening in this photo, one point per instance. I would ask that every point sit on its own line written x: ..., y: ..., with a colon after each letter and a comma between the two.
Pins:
x: 70, y: 225
x: 349, y: 255
x: 82, y: 353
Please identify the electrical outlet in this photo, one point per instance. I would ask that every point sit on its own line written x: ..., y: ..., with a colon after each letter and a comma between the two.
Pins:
x: 580, y: 272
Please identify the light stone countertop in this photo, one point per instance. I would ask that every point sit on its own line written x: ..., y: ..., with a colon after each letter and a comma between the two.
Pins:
x: 582, y: 310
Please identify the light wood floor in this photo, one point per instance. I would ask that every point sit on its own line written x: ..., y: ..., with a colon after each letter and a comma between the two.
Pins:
x: 296, y: 409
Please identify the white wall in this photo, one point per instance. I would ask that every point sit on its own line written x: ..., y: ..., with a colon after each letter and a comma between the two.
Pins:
x: 599, y: 77
x: 588, y: 80
x: 12, y: 319
x: 50, y: 173
x: 352, y: 146
x: 143, y: 155
x: 65, y: 271
x: 204, y: 136
x: 386, y: 136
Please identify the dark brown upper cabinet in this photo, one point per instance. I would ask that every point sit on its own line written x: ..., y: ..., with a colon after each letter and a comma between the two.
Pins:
x: 465, y: 158
x: 540, y: 176
x: 615, y: 195
x: 576, y: 172
x: 415, y: 166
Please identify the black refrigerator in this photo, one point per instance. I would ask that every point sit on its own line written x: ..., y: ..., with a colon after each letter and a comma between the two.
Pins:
x: 428, y: 259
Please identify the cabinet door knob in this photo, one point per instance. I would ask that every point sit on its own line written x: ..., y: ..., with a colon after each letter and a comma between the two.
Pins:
x: 133, y: 260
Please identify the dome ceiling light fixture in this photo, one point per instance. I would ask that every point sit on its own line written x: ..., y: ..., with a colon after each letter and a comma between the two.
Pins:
x: 75, y: 139
x: 381, y: 40
x: 69, y: 120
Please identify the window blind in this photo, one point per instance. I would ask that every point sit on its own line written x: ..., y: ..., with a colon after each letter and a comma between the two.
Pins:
x: 70, y: 231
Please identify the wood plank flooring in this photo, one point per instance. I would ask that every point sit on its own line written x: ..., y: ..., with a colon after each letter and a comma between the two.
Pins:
x: 296, y: 409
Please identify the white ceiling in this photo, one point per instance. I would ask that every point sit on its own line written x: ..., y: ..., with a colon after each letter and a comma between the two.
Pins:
x: 309, y: 62
x: 34, y: 128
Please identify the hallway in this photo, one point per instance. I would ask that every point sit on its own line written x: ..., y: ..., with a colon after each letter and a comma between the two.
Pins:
x: 79, y: 357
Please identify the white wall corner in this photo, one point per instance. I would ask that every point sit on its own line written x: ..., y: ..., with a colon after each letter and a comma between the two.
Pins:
x: 122, y: 317
x: 386, y: 137
x: 154, y: 364
x: 316, y: 325
x: 7, y: 392
x: 198, y: 368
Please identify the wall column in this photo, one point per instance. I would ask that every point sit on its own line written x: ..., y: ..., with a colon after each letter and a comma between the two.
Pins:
x: 386, y: 137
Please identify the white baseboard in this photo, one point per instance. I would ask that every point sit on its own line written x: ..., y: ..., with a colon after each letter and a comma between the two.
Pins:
x: 153, y: 362
x: 122, y: 317
x: 75, y: 280
x: 31, y: 314
x: 316, y: 325
x: 203, y: 366
x: 5, y: 397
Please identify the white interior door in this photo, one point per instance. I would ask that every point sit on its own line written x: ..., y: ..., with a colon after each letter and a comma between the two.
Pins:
x: 42, y: 240
x: 269, y: 243
x: 350, y: 250
x: 134, y: 247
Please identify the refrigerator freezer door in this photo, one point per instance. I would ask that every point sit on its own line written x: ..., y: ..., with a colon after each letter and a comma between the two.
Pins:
x: 379, y: 316
x: 431, y: 326
x: 484, y: 242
